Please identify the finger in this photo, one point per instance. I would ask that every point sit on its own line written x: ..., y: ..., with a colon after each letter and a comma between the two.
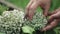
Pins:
x: 30, y: 3
x: 54, y: 16
x: 28, y: 6
x: 54, y: 12
x: 32, y: 10
x: 51, y: 25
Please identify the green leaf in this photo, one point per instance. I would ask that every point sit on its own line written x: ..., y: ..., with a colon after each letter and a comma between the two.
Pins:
x: 27, y: 29
x: 2, y: 33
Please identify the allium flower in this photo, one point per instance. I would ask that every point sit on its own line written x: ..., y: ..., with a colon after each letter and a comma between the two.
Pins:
x: 11, y: 21
x: 38, y: 22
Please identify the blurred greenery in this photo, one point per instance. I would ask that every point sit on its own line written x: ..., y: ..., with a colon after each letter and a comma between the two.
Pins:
x: 23, y: 3
x: 2, y: 8
x: 19, y: 3
x: 54, y: 4
x: 2, y: 33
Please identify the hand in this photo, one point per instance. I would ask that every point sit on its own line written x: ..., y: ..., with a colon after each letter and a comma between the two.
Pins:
x: 53, y: 20
x: 33, y: 4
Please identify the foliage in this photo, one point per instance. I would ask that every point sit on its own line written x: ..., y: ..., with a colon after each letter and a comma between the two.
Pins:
x: 2, y: 8
x: 20, y: 3
x: 27, y: 29
x: 57, y: 30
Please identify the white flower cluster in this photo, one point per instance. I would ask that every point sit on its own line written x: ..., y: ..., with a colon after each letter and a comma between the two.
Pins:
x: 38, y: 22
x: 11, y: 20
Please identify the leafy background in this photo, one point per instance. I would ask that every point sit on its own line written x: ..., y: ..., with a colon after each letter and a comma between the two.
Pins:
x: 23, y: 3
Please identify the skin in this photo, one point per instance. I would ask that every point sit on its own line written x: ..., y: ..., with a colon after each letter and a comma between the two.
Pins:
x: 54, y: 19
x: 33, y: 4
x: 45, y: 5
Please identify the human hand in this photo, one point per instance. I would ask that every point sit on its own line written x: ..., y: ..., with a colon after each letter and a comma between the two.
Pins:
x: 33, y: 4
x: 53, y: 20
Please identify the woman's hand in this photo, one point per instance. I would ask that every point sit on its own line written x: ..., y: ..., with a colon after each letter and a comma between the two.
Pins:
x: 53, y: 21
x: 33, y: 4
